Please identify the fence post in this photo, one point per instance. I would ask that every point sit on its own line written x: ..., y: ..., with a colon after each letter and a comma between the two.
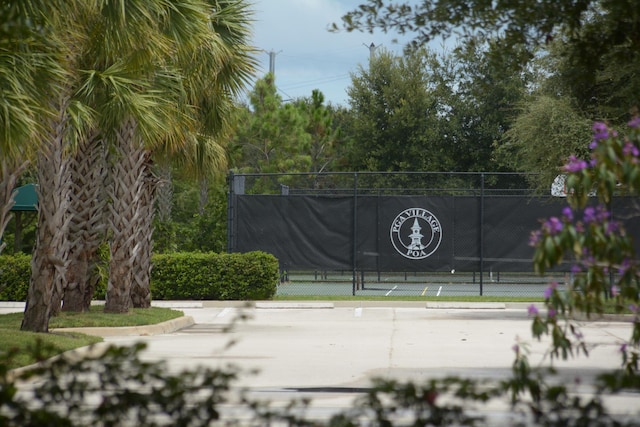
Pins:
x: 481, y: 231
x: 230, y: 212
x: 355, y: 233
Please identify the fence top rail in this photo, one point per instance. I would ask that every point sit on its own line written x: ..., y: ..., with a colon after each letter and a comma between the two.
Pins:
x: 371, y: 173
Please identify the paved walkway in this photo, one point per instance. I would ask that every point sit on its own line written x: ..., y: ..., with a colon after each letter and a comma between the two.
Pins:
x: 327, y: 350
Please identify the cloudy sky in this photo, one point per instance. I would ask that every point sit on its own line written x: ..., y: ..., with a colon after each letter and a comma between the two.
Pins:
x: 307, y: 55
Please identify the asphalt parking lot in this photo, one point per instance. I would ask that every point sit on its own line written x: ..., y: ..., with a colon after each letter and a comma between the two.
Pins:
x: 325, y: 351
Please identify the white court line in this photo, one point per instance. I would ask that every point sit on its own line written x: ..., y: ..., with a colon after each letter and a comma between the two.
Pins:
x: 224, y: 312
x: 439, y: 289
x: 394, y: 288
x: 357, y: 312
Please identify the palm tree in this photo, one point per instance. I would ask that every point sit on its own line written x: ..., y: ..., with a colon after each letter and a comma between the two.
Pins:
x: 42, y: 62
x: 223, y: 69
x: 215, y: 70
x: 155, y: 111
x: 10, y: 170
x: 22, y: 66
x: 87, y: 204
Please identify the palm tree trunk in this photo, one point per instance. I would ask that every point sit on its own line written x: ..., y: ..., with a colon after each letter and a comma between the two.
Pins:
x: 125, y: 193
x: 9, y: 173
x: 141, y: 289
x: 164, y: 234
x: 164, y: 192
x: 48, y: 260
x: 203, y: 199
x: 86, y: 230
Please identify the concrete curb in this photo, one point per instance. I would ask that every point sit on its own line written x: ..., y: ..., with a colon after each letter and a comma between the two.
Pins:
x: 467, y: 305
x: 167, y: 327
x: 293, y: 305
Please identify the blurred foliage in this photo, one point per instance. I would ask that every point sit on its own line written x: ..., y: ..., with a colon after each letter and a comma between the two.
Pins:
x: 106, y: 387
x: 601, y: 251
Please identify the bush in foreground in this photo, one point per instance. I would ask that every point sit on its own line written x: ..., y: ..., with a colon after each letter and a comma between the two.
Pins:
x: 115, y: 387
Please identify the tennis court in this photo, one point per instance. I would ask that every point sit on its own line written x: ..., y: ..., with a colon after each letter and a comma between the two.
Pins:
x: 417, y: 284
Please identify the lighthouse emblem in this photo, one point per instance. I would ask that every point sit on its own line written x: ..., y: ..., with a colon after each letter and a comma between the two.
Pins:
x: 416, y: 233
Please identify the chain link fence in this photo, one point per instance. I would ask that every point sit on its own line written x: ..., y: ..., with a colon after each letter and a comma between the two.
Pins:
x: 396, y: 234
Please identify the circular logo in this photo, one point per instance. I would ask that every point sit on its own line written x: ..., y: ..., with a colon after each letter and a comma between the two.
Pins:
x: 416, y: 233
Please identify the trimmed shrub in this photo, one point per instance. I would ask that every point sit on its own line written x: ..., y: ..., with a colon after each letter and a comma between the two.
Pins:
x: 185, y: 275
x: 15, y: 271
x: 211, y: 276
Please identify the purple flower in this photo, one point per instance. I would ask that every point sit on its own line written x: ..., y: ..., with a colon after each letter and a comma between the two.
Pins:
x: 516, y: 348
x: 602, y: 214
x: 553, y: 225
x: 533, y: 310
x: 633, y: 308
x: 567, y: 213
x: 623, y: 348
x: 551, y: 313
x: 635, y: 122
x: 549, y: 290
x: 630, y: 149
x: 600, y: 132
x: 534, y: 237
x: 622, y: 269
x: 575, y: 165
x: 575, y: 269
x: 589, y: 214
x: 615, y: 291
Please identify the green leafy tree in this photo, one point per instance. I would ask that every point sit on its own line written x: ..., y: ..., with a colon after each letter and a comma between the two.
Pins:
x: 591, y: 27
x: 542, y: 137
x: 482, y: 96
x: 395, y: 116
x: 597, y: 42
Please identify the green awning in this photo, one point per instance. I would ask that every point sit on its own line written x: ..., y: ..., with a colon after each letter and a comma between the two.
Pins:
x: 26, y: 198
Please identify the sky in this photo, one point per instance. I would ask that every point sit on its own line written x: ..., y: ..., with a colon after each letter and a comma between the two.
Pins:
x: 307, y: 55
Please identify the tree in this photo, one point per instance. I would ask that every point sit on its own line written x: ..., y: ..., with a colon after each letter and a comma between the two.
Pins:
x: 87, y: 228
x: 517, y: 24
x: 324, y: 135
x: 395, y: 116
x: 213, y: 83
x: 542, y: 137
x: 271, y: 136
x: 57, y: 118
x: 22, y: 66
x: 153, y: 112
x: 10, y: 170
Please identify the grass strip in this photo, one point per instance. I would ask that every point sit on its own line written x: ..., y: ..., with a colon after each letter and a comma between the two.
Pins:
x: 11, y: 337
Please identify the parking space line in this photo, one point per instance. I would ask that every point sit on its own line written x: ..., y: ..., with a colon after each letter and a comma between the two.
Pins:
x: 224, y: 312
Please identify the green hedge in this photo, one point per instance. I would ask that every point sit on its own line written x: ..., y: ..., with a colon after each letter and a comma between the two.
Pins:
x: 197, y: 276
x: 209, y: 276
x: 14, y: 277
